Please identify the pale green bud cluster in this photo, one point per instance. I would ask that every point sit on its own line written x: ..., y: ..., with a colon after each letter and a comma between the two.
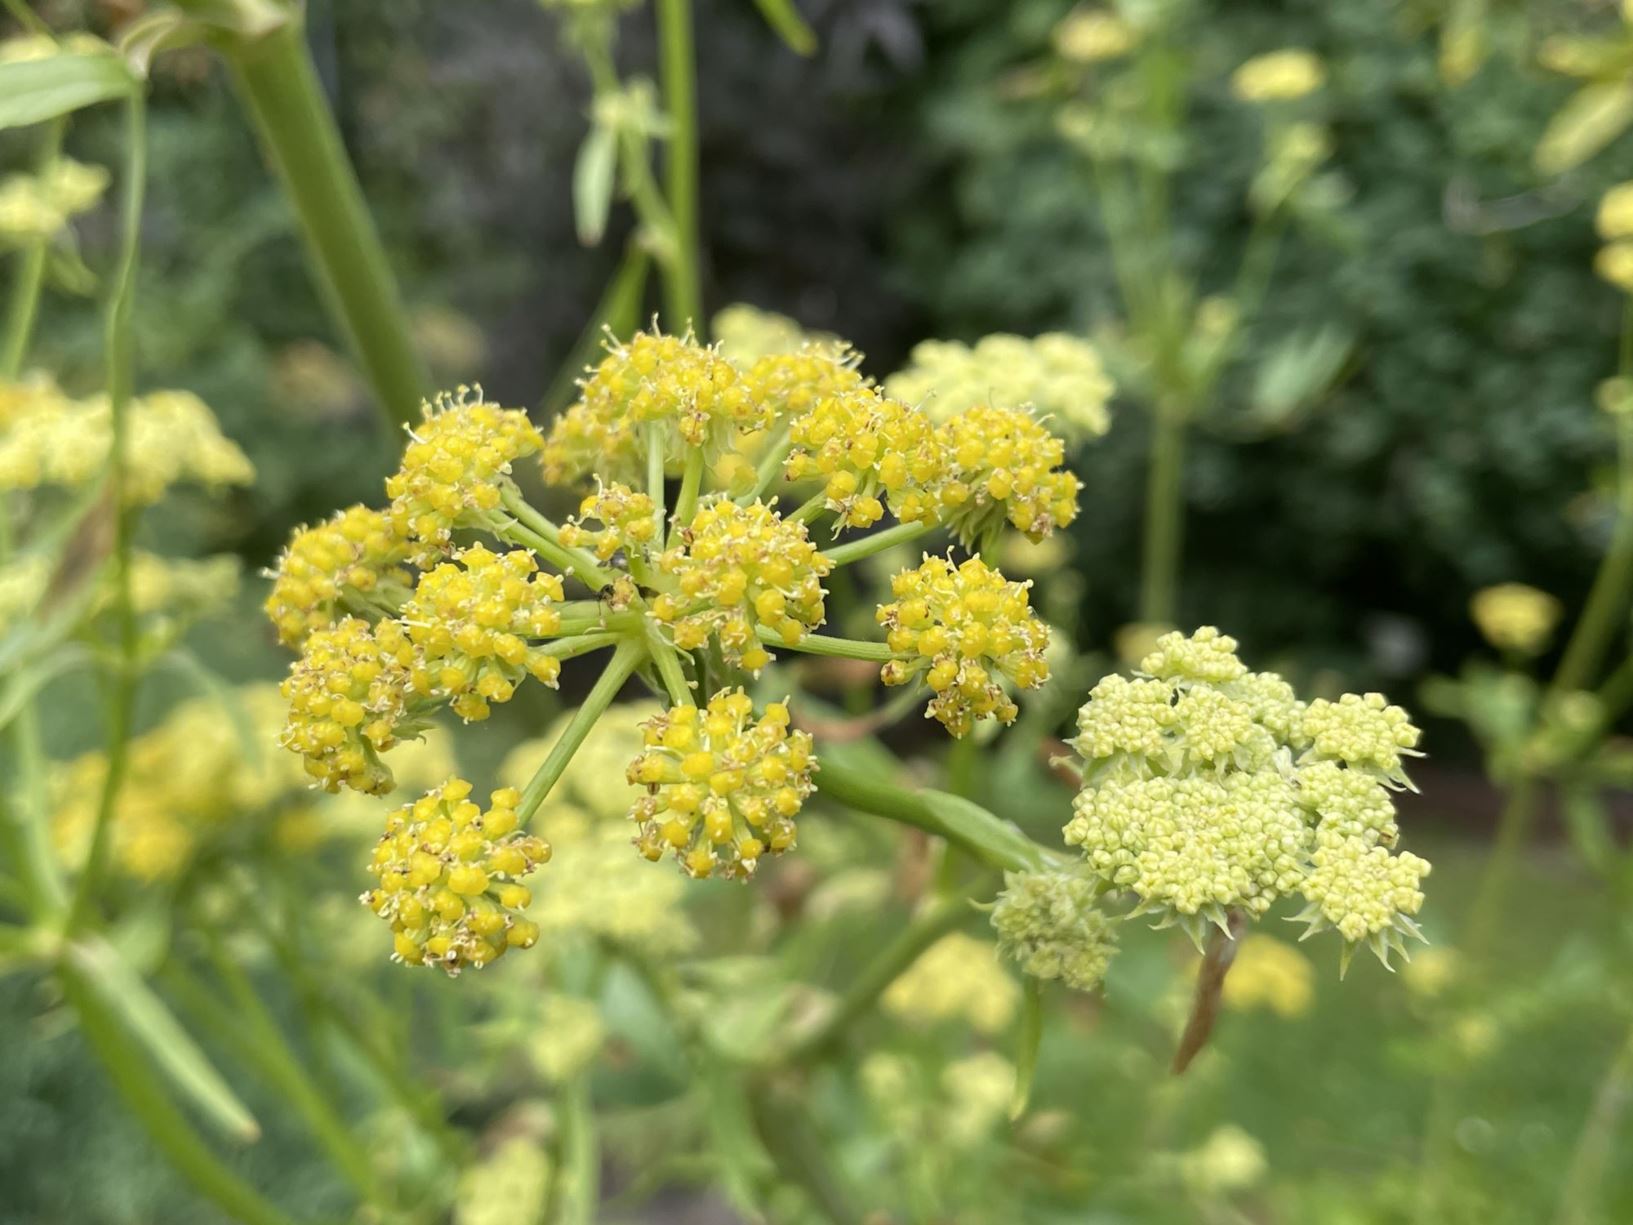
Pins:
x: 1209, y: 789
x: 1050, y: 924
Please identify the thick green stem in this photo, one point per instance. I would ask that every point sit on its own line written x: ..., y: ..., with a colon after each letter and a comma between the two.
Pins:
x: 579, y: 1186
x: 280, y: 86
x: 1605, y: 614
x: 623, y: 662
x: 119, y: 349
x: 855, y: 550
x: 834, y: 648
x: 941, y: 917
x: 1513, y: 827
x: 691, y: 480
x: 990, y: 839
x: 667, y: 657
x: 545, y: 537
x: 678, y: 70
x: 23, y: 306
x: 132, y: 1074
x: 1164, y: 517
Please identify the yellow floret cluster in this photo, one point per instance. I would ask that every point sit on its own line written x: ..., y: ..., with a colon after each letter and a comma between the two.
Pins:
x: 962, y: 628
x: 455, y: 468
x: 37, y: 207
x: 1209, y: 789
x: 347, y: 563
x: 629, y: 523
x: 738, y: 571
x: 474, y: 620
x: 348, y: 702
x: 1515, y: 617
x: 722, y: 787
x: 695, y: 397
x: 868, y: 449
x: 450, y: 878
x: 1002, y: 464
x: 957, y: 979
x: 1279, y: 76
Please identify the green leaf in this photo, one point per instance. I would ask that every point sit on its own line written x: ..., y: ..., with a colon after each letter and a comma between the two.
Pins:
x: 147, y: 1020
x: 997, y: 841
x: 1026, y: 1053
x: 1591, y: 118
x: 33, y: 91
x: 594, y: 175
x: 1298, y: 370
x: 784, y: 18
x: 34, y: 676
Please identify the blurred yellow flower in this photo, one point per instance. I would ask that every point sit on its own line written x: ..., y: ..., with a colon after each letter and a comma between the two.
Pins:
x: 1270, y: 974
x: 1228, y: 1160
x: 1087, y: 36
x: 1614, y: 263
x: 1279, y: 76
x: 1515, y: 617
x: 1615, y: 216
x: 958, y: 978
x: 1433, y: 970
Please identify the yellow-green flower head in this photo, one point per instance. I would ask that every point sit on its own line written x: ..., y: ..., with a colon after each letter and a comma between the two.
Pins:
x: 962, y: 628
x: 474, y: 620
x: 34, y: 393
x: 351, y: 563
x: 1279, y: 76
x: 1228, y: 1162
x: 793, y: 384
x: 1271, y: 974
x: 450, y: 878
x: 736, y: 571
x: 25, y: 48
x: 1363, y: 891
x: 1088, y: 36
x: 1056, y: 375
x: 1615, y: 216
x: 743, y: 334
x: 1515, y: 617
x: 1209, y: 788
x: 173, y: 437
x: 1193, y: 847
x: 1002, y: 464
x: 1051, y: 925
x: 697, y: 397
x: 867, y: 448
x: 348, y: 699
x: 723, y: 787
x: 1363, y: 731
x: 1614, y: 263
x: 567, y: 1035
x: 455, y: 468
x: 628, y: 519
x: 957, y: 979
x: 35, y: 208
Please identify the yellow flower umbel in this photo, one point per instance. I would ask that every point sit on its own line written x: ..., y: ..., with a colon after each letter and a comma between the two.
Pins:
x: 1209, y: 789
x: 348, y: 702
x: 1003, y: 465
x: 474, y: 620
x: 722, y: 787
x: 455, y: 468
x: 350, y: 564
x: 628, y: 519
x: 957, y: 978
x: 866, y: 449
x: 962, y: 628
x: 38, y: 207
x: 1279, y: 76
x: 1514, y: 617
x: 1051, y: 925
x: 450, y: 878
x: 737, y: 571
x: 694, y: 397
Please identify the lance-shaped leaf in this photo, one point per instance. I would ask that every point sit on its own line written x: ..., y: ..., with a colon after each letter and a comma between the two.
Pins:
x: 784, y: 18
x: 34, y: 91
x: 594, y: 175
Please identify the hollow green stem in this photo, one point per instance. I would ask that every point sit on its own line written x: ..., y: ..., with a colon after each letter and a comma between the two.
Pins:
x: 1164, y: 517
x: 619, y: 668
x: 120, y: 362
x: 280, y: 86
x: 770, y: 466
x: 861, y: 995
x: 667, y: 657
x: 578, y: 1194
x: 990, y: 839
x: 133, y: 1076
x: 23, y: 305
x: 1605, y: 614
x: 678, y: 71
x: 547, y: 540
x: 834, y: 648
x: 855, y: 550
x: 691, y: 480
x: 574, y: 646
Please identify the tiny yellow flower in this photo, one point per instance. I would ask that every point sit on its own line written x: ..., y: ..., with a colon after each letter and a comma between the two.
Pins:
x: 1515, y: 617
x: 628, y: 521
x: 1615, y: 216
x: 1088, y: 36
x: 957, y: 979
x: 450, y: 878
x: 722, y: 787
x: 1003, y: 465
x: 1271, y: 974
x: 1279, y: 76
x: 962, y: 628
x: 1614, y: 264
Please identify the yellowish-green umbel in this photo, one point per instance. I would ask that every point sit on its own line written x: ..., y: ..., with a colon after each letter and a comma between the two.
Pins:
x: 1209, y: 790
